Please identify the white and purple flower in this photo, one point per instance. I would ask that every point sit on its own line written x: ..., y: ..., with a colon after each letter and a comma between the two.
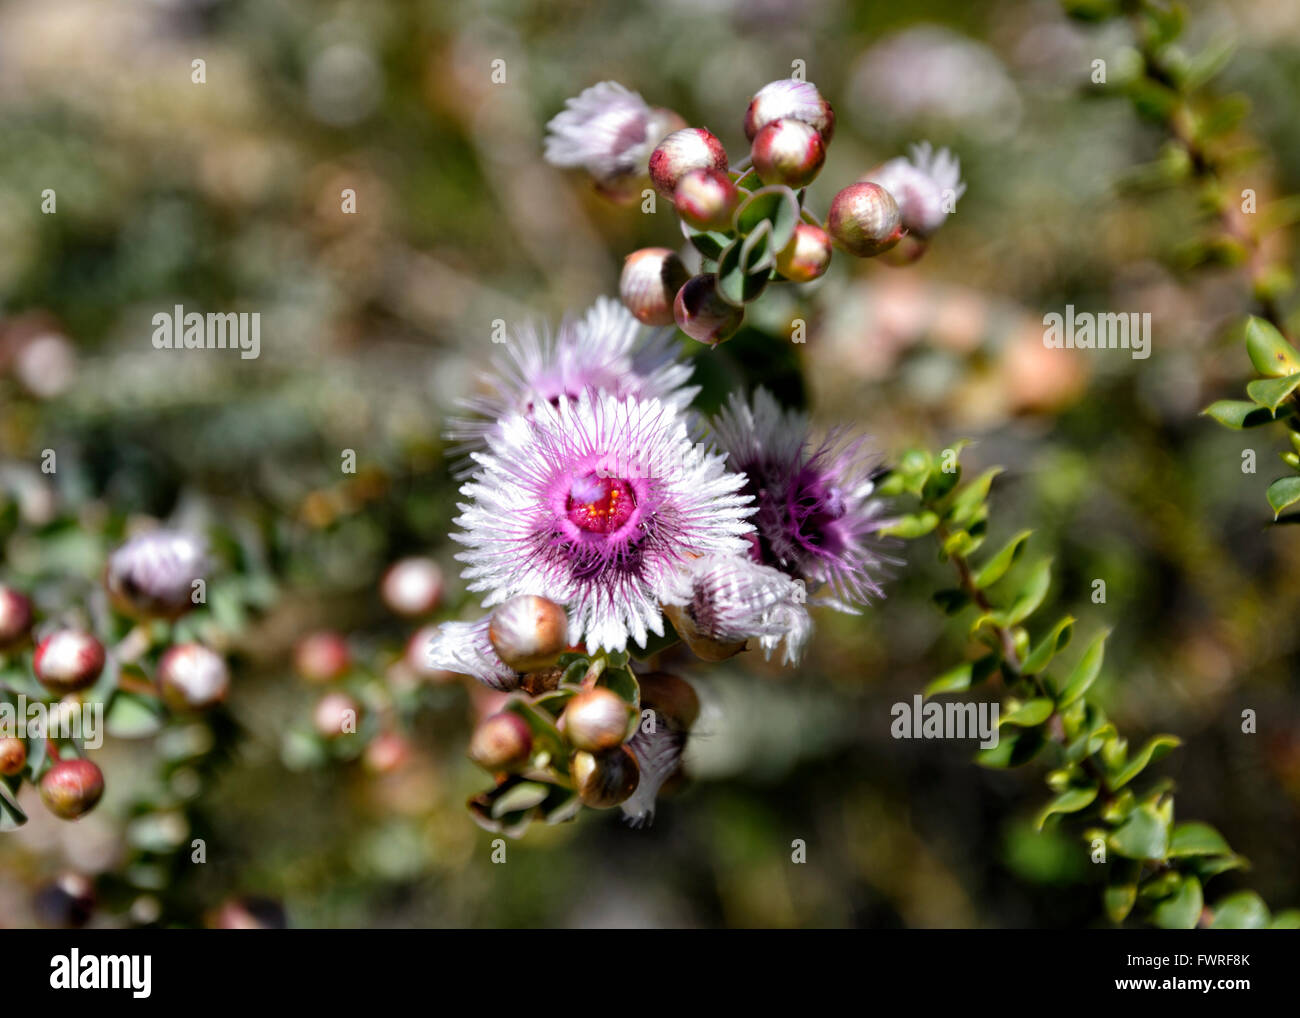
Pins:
x: 926, y: 187
x: 464, y: 648
x: 599, y: 503
x: 603, y: 351
x: 816, y: 519
x: 735, y: 598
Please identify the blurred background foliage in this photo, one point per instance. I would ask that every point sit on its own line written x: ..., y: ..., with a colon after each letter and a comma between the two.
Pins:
x: 226, y: 196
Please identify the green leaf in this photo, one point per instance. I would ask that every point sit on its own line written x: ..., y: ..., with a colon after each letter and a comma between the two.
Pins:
x: 1182, y: 909
x: 522, y: 796
x: 971, y: 497
x: 1272, y: 356
x: 1142, y: 836
x: 1283, y: 493
x: 964, y: 676
x: 995, y: 568
x: 1196, y: 838
x: 1244, y: 910
x: 1013, y: 749
x: 1030, y: 713
x: 132, y: 717
x: 710, y: 244
x: 735, y: 285
x: 1120, y: 899
x: 1288, y: 920
x: 1156, y: 747
x: 1239, y: 414
x: 1070, y: 801
x: 776, y: 205
x: 1272, y: 392
x: 951, y: 600
x: 1085, y: 672
x: 1050, y: 645
x: 11, y: 814
x: 756, y: 253
x: 911, y: 525
x: 1030, y: 595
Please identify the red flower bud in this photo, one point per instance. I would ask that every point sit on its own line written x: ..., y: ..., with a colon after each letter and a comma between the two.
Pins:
x: 13, y: 756
x: 322, y: 657
x: 68, y: 660
x: 528, y: 632
x: 695, y: 148
x: 650, y: 280
x: 864, y: 220
x: 336, y: 715
x: 386, y: 753
x: 413, y: 586
x: 706, y: 199
x: 702, y: 314
x: 192, y: 677
x: 603, y: 780
x: 501, y: 742
x: 595, y: 720
x: 71, y: 788
x: 807, y: 256
x: 789, y: 99
x: 16, y: 610
x: 788, y: 152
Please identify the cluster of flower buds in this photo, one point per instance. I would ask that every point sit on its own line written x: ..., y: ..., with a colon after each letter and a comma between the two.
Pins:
x: 749, y: 224
x: 576, y: 730
x: 150, y: 580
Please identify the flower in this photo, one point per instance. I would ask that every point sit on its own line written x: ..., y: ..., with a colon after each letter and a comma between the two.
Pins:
x: 600, y: 351
x: 465, y: 648
x: 735, y: 598
x: 789, y: 99
x: 926, y: 187
x: 610, y: 132
x: 598, y: 503
x: 153, y: 574
x: 815, y: 517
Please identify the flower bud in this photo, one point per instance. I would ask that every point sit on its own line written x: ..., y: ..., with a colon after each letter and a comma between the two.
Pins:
x: 807, y: 256
x: 192, y: 677
x: 336, y: 715
x: 864, y: 220
x: 603, y: 780
x: 703, y: 646
x: 650, y: 280
x: 595, y: 720
x: 695, y: 148
x: 322, y: 657
x: 68, y: 660
x: 702, y: 314
x: 16, y: 609
x: 13, y: 756
x: 789, y: 99
x: 71, y: 788
x: 528, y: 632
x: 788, y: 152
x: 501, y: 742
x: 413, y: 586
x: 706, y: 199
x: 386, y: 753
x: 671, y: 696
x: 249, y: 914
x: 417, y: 660
x: 153, y: 574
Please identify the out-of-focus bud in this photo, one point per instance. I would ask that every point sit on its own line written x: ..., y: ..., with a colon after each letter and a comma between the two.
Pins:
x: 528, y: 632
x: 71, y: 788
x: 322, y: 657
x: 807, y: 256
x: 501, y: 742
x: 604, y: 780
x: 650, y: 280
x: 249, y: 914
x: 864, y: 220
x: 413, y: 586
x: 702, y: 314
x: 13, y: 756
x: 595, y: 720
x: 706, y: 199
x: 336, y: 715
x: 703, y: 646
x: 926, y: 186
x: 68, y: 660
x: 789, y: 99
x: 695, y: 148
x: 192, y: 677
x: 66, y: 902
x: 16, y: 609
x: 788, y: 152
x: 386, y: 753
x: 671, y: 696
x: 417, y: 656
x: 153, y: 575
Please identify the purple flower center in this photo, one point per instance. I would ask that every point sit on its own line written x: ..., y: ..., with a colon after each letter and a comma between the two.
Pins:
x: 599, y: 504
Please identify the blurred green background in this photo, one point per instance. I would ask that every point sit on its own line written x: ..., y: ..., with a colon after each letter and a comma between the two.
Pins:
x: 226, y: 195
